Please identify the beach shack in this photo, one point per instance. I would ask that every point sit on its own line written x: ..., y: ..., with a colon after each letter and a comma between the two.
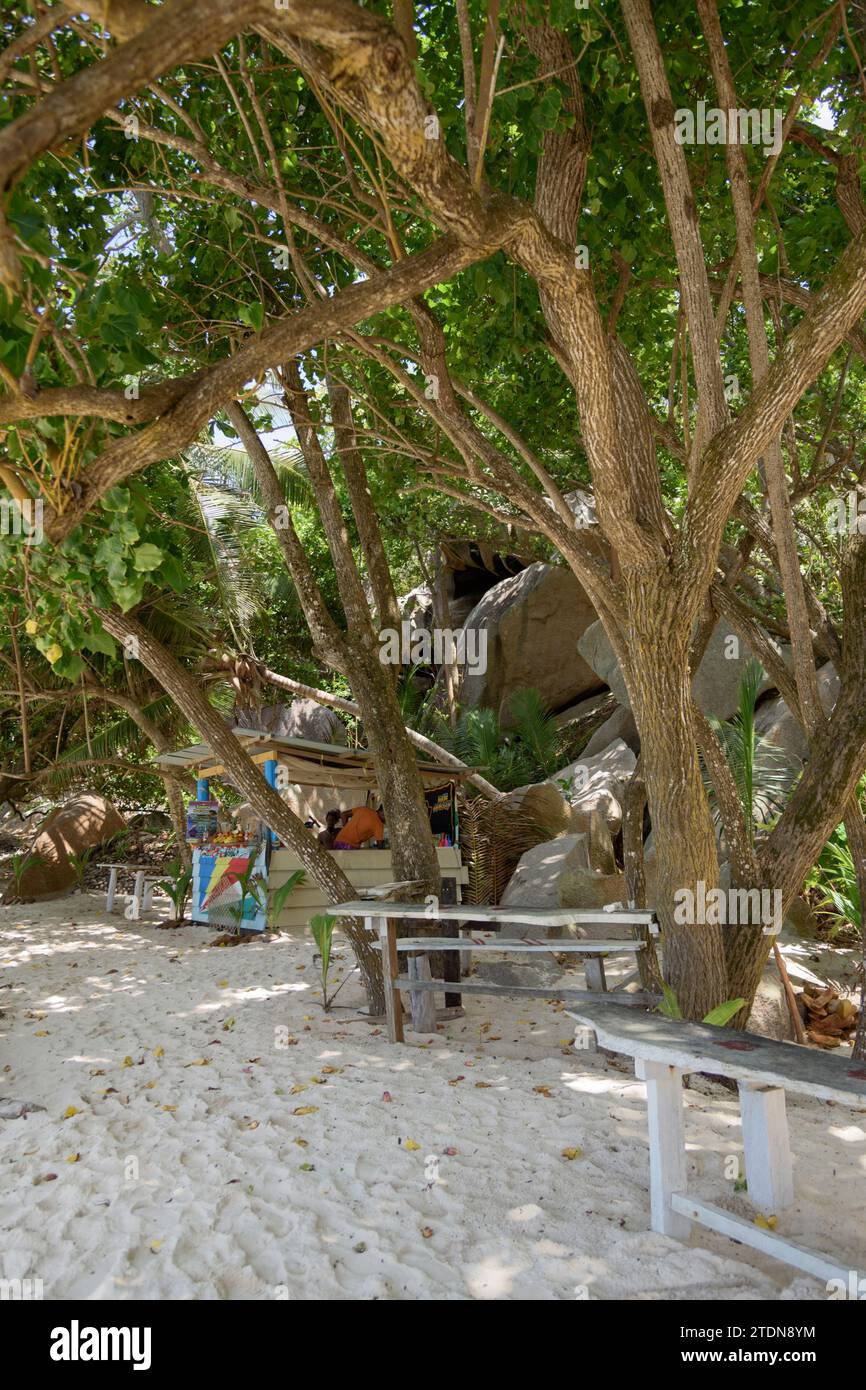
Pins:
x: 312, y: 778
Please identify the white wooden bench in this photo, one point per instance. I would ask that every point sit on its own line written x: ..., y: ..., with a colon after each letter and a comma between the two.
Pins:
x: 381, y: 918
x: 142, y: 892
x: 663, y: 1051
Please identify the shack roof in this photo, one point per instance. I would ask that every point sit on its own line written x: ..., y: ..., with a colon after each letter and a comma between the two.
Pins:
x: 309, y: 763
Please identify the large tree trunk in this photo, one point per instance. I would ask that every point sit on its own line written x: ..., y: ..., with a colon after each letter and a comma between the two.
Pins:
x: 413, y: 853
x: 659, y: 684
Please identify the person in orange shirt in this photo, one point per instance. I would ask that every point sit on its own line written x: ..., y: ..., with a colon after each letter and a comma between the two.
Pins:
x: 362, y: 824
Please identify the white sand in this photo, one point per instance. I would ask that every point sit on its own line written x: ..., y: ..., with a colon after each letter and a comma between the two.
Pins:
x: 209, y: 1200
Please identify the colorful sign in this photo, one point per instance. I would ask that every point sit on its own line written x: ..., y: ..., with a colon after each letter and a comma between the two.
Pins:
x: 217, y: 894
x: 202, y: 820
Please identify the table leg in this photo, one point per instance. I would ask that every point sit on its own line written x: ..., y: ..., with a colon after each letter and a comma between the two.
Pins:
x: 133, y: 911
x: 595, y: 976
x: 667, y: 1140
x: 768, y: 1152
x: 390, y: 970
x: 112, y: 890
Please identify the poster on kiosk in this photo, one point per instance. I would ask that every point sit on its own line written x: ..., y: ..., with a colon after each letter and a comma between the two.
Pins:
x: 219, y: 897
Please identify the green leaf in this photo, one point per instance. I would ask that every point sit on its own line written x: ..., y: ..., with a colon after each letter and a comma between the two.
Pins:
x: 147, y: 557
x: 117, y: 500
x: 252, y: 314
x: 670, y: 1007
x: 98, y: 640
x: 719, y: 1016
x: 70, y: 666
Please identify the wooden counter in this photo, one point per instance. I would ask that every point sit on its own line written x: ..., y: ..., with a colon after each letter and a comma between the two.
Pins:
x: 365, y: 868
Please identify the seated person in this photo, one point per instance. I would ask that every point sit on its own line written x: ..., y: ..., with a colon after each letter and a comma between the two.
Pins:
x: 332, y: 825
x: 360, y: 825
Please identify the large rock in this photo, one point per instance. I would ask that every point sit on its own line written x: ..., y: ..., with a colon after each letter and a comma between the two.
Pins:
x: 775, y: 722
x: 85, y: 822
x: 620, y: 725
x: 543, y: 803
x: 770, y: 1015
x: 532, y: 621
x: 716, y: 685
x: 303, y: 718
x: 597, y: 784
x: 557, y: 874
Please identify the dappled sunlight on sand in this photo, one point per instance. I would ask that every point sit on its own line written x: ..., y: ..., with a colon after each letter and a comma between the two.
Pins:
x: 274, y: 1144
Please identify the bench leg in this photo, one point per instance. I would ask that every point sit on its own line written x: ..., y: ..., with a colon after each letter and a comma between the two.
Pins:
x: 594, y: 971
x: 767, y: 1148
x: 133, y: 910
x: 112, y: 890
x: 667, y: 1140
x: 390, y: 969
x: 421, y: 1001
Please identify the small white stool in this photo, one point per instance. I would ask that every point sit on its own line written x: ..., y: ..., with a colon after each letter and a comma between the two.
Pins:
x: 142, y: 895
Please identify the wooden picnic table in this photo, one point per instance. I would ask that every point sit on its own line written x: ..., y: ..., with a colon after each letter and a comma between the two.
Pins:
x: 386, y: 914
x: 663, y: 1051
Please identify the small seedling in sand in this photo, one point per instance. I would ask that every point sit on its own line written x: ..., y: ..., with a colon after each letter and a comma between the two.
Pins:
x: 177, y: 887
x: 18, y: 866
x: 79, y: 864
x: 322, y: 928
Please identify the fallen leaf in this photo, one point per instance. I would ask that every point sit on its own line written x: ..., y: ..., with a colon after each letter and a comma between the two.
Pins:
x: 307, y: 1167
x: 127, y: 1062
x: 69, y: 1112
x: 542, y: 1091
x: 318, y: 1081
x: 97, y: 1071
x: 72, y: 1158
x: 228, y: 1025
x: 572, y: 1153
x: 767, y: 1223
x: 199, y: 1062
x: 451, y: 1152
x: 46, y: 1177
x: 253, y: 1124
x: 332, y: 1071
x: 426, y: 1232
x: 159, y: 1052
x: 455, y: 1080
x: 302, y: 1143
x: 41, y: 1033
x: 360, y: 1248
x: 305, y: 1109
x: 410, y: 1144
x: 223, y: 984
x: 169, y: 1107
x: 386, y: 1096
x: 150, y: 1085
x: 156, y: 1245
